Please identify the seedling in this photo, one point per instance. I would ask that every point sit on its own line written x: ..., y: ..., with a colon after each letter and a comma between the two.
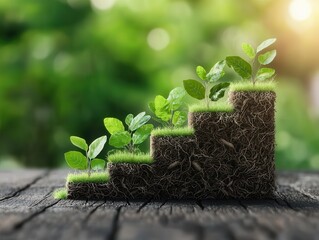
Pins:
x: 204, y: 89
x: 168, y: 111
x: 78, y: 161
x: 138, y: 131
x: 253, y: 69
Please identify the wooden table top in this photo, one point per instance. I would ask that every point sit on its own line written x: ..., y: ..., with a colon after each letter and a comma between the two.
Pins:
x: 28, y: 211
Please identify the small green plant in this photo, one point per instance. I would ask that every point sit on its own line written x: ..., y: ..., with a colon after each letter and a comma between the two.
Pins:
x: 138, y: 131
x: 78, y: 161
x: 253, y: 69
x: 205, y: 88
x: 60, y: 194
x: 168, y: 111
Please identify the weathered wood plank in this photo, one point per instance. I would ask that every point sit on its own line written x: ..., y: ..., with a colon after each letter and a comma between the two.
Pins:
x: 28, y: 211
x: 12, y: 182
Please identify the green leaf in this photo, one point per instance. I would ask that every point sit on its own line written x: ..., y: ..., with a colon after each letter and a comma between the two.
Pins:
x: 98, y: 164
x: 201, y: 72
x: 249, y: 50
x: 139, y: 121
x: 175, y: 98
x: 265, y: 44
x: 162, y: 108
x: 76, y: 160
x: 120, y: 139
x: 142, y: 134
x: 113, y: 125
x: 194, y: 88
x: 265, y: 73
x: 218, y: 91
x: 240, y: 66
x: 179, y: 118
x: 217, y: 71
x: 79, y: 142
x: 128, y: 119
x: 151, y: 106
x: 96, y: 147
x: 267, y: 57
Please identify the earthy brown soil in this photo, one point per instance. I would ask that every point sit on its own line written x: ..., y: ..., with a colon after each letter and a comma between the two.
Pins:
x: 231, y: 155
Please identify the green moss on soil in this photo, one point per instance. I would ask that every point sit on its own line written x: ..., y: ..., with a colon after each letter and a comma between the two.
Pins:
x: 176, y: 132
x: 61, y: 193
x: 215, y: 107
x: 249, y: 86
x: 125, y: 157
x: 96, y: 177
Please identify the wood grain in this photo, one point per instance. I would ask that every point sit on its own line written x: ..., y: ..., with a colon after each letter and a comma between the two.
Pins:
x: 28, y: 211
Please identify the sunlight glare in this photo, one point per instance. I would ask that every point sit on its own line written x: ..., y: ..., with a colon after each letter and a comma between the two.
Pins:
x: 300, y: 10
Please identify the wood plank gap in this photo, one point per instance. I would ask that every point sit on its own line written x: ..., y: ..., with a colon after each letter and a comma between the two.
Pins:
x: 143, y: 205
x: 25, y: 187
x: 87, y: 218
x: 115, y: 225
x: 199, y: 203
x: 20, y: 224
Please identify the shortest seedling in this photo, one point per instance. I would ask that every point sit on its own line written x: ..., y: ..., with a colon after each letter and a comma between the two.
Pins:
x: 205, y: 87
x: 78, y: 161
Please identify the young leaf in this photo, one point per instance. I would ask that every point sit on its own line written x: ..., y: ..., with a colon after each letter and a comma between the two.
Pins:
x: 76, y: 160
x: 142, y: 134
x: 194, y: 88
x: 162, y: 108
x: 129, y: 119
x: 175, y: 98
x: 201, y: 72
x: 217, y: 71
x: 267, y: 57
x: 265, y: 73
x: 249, y: 50
x: 218, y: 91
x: 179, y: 118
x: 139, y: 121
x: 97, y: 164
x: 120, y: 139
x: 79, y: 142
x: 265, y: 44
x: 96, y: 147
x: 240, y: 66
x: 113, y: 125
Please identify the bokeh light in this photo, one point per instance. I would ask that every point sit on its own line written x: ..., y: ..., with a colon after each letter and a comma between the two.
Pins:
x: 158, y: 39
x: 300, y: 10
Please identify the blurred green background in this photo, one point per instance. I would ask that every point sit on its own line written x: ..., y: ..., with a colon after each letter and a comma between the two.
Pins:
x: 67, y: 64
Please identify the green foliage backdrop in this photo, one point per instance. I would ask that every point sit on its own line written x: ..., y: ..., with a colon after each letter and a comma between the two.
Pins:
x: 67, y: 64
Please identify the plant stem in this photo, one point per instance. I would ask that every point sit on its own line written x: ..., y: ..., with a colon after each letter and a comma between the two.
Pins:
x: 206, y: 94
x: 171, y: 120
x: 89, y: 172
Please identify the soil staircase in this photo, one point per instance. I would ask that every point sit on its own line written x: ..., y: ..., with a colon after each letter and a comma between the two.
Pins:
x: 230, y: 155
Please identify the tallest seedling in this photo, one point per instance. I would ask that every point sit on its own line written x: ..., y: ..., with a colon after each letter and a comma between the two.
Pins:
x: 255, y: 69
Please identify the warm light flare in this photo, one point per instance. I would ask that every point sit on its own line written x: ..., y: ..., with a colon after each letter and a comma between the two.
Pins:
x: 300, y: 10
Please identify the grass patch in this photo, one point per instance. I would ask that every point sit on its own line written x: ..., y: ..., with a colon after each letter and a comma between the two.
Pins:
x: 96, y: 177
x: 125, y: 157
x: 249, y: 86
x: 215, y: 107
x: 61, y: 193
x: 186, y: 131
